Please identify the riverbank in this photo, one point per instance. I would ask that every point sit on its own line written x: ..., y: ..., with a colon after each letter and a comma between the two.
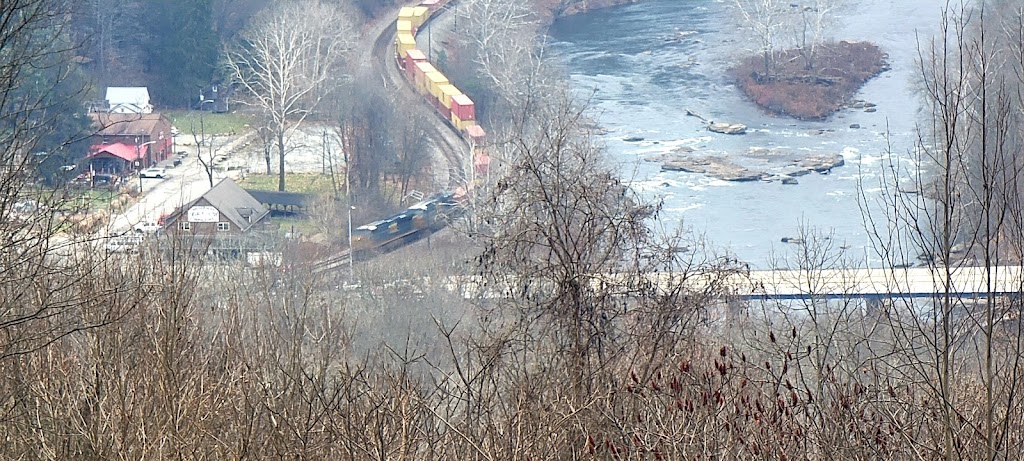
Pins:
x: 790, y: 87
x: 554, y: 9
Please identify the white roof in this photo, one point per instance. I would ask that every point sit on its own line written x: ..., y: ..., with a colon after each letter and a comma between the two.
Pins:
x: 129, y: 99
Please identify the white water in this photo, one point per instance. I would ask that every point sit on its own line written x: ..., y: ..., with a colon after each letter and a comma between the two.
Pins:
x: 642, y: 85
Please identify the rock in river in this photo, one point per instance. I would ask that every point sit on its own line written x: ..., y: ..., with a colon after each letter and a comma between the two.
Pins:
x: 715, y: 167
x: 727, y: 128
x: 822, y: 163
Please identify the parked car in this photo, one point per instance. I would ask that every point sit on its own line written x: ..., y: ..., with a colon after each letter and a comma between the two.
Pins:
x: 146, y: 227
x: 154, y: 172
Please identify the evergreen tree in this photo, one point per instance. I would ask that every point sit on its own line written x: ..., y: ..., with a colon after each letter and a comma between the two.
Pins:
x: 43, y: 114
x: 182, y: 49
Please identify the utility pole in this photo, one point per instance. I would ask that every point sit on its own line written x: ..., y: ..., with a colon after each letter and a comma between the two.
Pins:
x: 348, y: 202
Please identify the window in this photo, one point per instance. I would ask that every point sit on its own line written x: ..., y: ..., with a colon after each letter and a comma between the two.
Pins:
x: 223, y: 226
x: 185, y: 226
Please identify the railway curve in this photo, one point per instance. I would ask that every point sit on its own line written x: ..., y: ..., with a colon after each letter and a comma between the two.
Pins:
x: 450, y: 150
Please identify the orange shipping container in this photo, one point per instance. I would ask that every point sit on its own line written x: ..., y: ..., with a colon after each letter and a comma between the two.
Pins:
x: 420, y: 79
x: 476, y: 134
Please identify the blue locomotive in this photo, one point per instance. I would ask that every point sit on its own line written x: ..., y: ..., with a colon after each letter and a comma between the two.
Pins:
x: 408, y: 225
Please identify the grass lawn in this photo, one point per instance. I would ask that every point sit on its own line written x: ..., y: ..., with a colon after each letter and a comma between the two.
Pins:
x: 303, y: 226
x: 226, y: 123
x: 309, y: 183
x: 91, y: 199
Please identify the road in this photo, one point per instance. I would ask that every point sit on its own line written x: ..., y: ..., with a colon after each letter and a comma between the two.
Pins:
x: 449, y: 152
x: 184, y: 183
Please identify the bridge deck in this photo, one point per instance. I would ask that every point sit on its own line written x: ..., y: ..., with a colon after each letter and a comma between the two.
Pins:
x: 879, y: 283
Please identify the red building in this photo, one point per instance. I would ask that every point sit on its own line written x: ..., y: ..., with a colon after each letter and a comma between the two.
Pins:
x: 125, y: 142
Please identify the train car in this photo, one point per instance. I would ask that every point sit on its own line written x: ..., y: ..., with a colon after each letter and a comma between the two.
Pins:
x: 406, y: 13
x: 434, y: 82
x: 404, y: 43
x: 439, y: 210
x: 379, y: 235
x: 420, y: 14
x: 410, y: 224
x: 404, y: 26
x: 476, y: 135
x: 412, y: 57
x: 432, y: 5
x: 463, y: 113
x: 420, y: 76
x: 443, y: 104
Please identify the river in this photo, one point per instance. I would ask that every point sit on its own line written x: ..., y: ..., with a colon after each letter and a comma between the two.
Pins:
x: 644, y: 65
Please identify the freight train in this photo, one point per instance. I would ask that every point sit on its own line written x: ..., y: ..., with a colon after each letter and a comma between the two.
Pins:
x: 417, y: 221
x: 455, y: 107
x: 458, y: 111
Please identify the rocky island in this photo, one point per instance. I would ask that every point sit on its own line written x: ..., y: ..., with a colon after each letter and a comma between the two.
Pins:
x: 810, y: 90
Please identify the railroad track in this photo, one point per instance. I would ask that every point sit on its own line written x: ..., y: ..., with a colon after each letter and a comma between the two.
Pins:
x: 334, y: 262
x: 447, y: 142
x: 453, y: 149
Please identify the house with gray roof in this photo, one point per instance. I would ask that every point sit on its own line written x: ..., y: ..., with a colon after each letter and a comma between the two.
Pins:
x: 226, y: 210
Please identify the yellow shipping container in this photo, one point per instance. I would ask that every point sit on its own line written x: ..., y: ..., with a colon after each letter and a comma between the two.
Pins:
x: 419, y: 15
x: 435, y: 80
x: 404, y: 26
x: 461, y: 124
x: 446, y: 93
x: 404, y: 42
x: 406, y: 13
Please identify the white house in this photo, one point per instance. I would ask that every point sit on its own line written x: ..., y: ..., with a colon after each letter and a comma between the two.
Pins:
x: 129, y: 100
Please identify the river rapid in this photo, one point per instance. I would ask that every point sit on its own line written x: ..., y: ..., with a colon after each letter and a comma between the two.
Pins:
x: 644, y: 65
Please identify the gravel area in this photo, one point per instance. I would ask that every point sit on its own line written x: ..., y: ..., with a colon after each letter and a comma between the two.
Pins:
x: 308, y: 151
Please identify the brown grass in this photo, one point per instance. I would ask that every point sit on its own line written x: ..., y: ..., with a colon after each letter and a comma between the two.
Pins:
x: 840, y: 70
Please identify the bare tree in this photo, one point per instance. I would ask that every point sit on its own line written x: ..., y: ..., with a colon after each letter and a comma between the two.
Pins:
x: 286, y: 60
x: 766, y: 20
x: 508, y: 49
x: 410, y: 144
x: 812, y: 20
x: 204, y: 142
x: 775, y: 24
x: 34, y: 307
x: 965, y: 353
